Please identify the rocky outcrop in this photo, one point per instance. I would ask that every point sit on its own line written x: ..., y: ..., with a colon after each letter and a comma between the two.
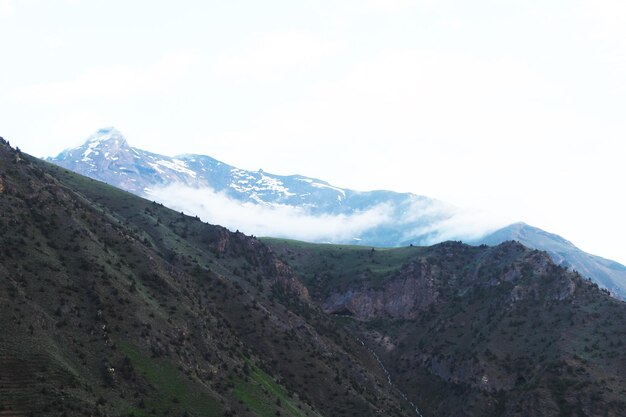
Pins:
x: 404, y: 296
x: 288, y: 282
x: 255, y: 253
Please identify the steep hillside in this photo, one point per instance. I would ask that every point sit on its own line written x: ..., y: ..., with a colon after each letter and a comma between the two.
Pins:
x: 475, y: 331
x: 378, y: 218
x: 607, y: 273
x: 112, y: 305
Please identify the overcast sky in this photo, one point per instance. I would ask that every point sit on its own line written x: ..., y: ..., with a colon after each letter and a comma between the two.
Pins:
x: 514, y: 106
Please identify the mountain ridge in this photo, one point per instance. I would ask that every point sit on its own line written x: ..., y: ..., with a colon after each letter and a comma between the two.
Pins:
x: 374, y: 218
x: 609, y: 274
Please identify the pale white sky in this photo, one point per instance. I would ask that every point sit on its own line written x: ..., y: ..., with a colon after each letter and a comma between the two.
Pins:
x: 514, y: 106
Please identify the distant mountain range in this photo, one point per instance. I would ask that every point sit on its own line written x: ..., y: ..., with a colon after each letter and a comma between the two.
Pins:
x: 373, y: 218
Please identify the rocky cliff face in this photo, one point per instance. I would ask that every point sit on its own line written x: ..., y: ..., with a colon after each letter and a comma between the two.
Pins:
x: 226, y: 243
x: 403, y: 296
x: 409, y: 292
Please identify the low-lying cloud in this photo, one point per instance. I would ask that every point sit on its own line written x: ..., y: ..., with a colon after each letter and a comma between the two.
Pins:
x: 423, y: 221
x: 270, y: 220
x: 456, y: 224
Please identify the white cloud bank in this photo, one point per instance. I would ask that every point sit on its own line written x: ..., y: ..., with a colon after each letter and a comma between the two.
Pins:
x: 266, y: 220
x: 437, y: 221
x: 468, y: 225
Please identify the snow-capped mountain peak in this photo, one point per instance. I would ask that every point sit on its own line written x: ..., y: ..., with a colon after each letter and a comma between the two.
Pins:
x: 102, y: 151
x: 107, y: 137
x: 105, y: 134
x: 107, y: 156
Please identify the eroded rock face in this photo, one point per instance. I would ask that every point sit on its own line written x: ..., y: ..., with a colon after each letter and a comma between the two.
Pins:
x: 404, y: 296
x: 419, y: 284
x: 288, y: 282
x: 540, y: 265
x: 273, y: 268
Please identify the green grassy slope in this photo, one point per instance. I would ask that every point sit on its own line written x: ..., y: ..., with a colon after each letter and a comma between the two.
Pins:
x: 340, y: 266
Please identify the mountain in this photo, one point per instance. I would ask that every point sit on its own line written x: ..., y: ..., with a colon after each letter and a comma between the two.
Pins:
x: 608, y: 274
x: 475, y: 330
x: 108, y: 157
x: 373, y: 218
x: 113, y: 305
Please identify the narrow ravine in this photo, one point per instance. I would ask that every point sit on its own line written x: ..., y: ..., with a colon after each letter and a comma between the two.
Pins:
x: 382, y: 365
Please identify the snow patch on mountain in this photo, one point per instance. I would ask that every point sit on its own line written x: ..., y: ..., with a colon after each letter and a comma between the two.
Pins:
x: 178, y: 166
x: 86, y: 154
x: 156, y: 167
x: 330, y: 187
x: 274, y: 184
